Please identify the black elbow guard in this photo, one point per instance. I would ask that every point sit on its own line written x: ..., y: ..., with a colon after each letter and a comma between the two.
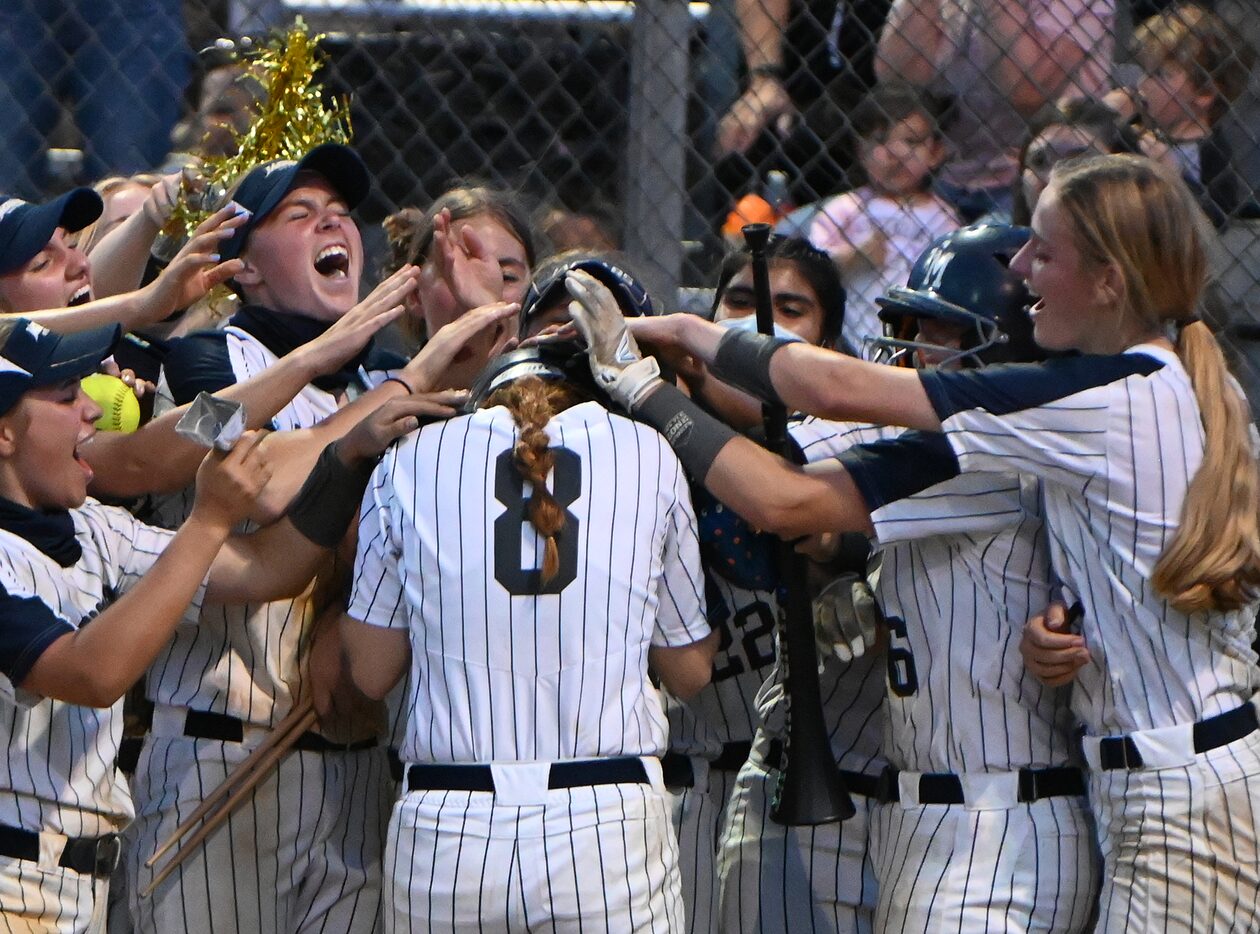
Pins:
x: 329, y: 499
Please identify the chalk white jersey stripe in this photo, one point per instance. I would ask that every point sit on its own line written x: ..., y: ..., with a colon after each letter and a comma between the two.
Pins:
x: 242, y: 660
x: 58, y: 772
x: 1117, y: 440
x: 443, y: 542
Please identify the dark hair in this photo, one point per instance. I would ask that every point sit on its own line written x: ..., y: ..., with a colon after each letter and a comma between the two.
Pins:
x: 813, y: 264
x: 1081, y: 113
x: 410, y: 230
x: 891, y: 103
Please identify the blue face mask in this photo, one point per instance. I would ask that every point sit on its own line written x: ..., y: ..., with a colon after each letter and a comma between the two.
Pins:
x: 749, y: 323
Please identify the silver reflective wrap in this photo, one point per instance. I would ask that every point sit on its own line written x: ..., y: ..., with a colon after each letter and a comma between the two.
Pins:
x: 213, y: 422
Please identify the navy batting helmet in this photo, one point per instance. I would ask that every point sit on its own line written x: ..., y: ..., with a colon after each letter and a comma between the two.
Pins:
x: 548, y: 288
x: 556, y: 360
x: 964, y: 277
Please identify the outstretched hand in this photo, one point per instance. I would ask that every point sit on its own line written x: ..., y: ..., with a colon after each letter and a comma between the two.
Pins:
x: 228, y: 482
x: 616, y: 363
x: 196, y: 268
x: 453, y: 342
x: 371, y: 436
x: 352, y: 331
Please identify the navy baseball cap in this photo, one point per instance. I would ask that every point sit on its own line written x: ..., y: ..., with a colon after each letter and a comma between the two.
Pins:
x: 32, y: 356
x: 26, y: 228
x: 265, y: 186
x: 548, y: 289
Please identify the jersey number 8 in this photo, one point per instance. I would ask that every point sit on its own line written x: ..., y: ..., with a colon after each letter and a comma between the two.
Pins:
x: 509, y: 489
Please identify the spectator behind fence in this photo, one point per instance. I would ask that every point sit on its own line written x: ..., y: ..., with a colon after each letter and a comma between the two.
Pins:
x: 1193, y: 67
x: 123, y: 62
x: 1081, y: 127
x: 1002, y: 61
x: 875, y: 232
x: 806, y: 65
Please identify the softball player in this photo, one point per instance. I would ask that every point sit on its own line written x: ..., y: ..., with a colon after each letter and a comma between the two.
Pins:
x: 711, y: 735
x: 534, y: 797
x: 65, y: 562
x: 1150, y: 487
x: 306, y: 852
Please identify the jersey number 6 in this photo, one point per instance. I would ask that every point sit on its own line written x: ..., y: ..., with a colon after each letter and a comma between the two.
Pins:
x: 509, y: 489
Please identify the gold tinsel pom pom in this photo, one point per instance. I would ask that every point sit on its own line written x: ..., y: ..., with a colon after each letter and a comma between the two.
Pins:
x: 292, y: 120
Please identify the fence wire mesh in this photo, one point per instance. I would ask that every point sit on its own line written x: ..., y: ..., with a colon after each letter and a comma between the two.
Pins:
x: 662, y: 123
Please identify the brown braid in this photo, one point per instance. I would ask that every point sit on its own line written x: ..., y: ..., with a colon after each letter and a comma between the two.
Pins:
x: 533, y: 402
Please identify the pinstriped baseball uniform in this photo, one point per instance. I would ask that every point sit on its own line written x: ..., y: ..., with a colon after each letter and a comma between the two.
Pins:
x: 960, y: 701
x: 502, y: 673
x: 1116, y: 439
x: 724, y: 712
x: 306, y: 853
x: 775, y: 878
x: 58, y: 776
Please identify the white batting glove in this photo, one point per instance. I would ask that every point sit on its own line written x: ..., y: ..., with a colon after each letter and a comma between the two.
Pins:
x: 845, y: 618
x: 618, y: 366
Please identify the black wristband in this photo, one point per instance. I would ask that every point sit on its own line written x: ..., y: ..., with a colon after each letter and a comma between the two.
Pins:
x: 329, y: 499
x: 694, y: 434
x: 743, y: 361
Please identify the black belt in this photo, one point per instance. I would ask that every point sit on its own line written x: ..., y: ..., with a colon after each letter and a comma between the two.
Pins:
x: 395, y: 764
x: 946, y: 787
x: 676, y: 766
x: 201, y: 724
x: 1120, y: 752
x: 88, y: 856
x: 733, y: 757
x: 868, y: 786
x: 451, y: 777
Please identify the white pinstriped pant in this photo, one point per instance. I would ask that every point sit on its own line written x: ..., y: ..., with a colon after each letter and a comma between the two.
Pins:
x: 302, y: 855
x: 595, y: 858
x: 1030, y: 867
x: 1180, y: 845
x: 50, y: 899
x: 777, y: 879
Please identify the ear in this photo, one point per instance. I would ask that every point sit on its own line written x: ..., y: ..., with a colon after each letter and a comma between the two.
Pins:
x: 10, y: 432
x: 1110, y: 286
x: 249, y: 275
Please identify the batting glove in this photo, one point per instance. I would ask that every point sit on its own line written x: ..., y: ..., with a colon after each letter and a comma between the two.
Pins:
x: 845, y: 618
x: 618, y: 366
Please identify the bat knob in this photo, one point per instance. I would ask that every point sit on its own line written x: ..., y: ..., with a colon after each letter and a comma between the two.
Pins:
x: 756, y: 235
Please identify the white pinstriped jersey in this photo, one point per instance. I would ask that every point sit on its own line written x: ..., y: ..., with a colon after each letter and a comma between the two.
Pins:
x: 242, y: 660
x: 725, y: 710
x: 504, y: 667
x: 1116, y: 440
x: 58, y: 773
x: 963, y: 565
x: 852, y: 692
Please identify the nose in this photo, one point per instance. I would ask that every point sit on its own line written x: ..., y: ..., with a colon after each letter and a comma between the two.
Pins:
x: 1021, y: 262
x: 329, y: 219
x: 89, y: 411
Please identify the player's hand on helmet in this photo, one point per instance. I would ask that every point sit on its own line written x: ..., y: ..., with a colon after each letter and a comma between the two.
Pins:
x: 375, y: 432
x: 618, y: 366
x: 196, y: 268
x: 228, y: 482
x: 350, y: 333
x: 463, y: 344
x: 846, y: 619
x: 1052, y: 652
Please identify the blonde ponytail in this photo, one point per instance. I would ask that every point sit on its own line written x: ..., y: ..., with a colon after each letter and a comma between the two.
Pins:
x: 1213, y: 560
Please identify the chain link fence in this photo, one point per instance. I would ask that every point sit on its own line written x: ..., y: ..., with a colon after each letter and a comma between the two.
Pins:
x: 663, y: 122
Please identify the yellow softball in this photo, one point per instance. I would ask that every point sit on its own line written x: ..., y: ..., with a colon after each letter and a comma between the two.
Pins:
x: 120, y: 410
